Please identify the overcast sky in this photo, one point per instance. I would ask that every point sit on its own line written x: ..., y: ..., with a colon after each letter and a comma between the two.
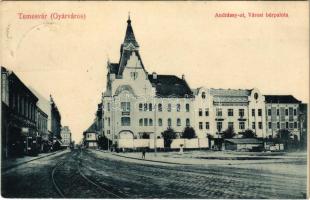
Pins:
x: 67, y: 58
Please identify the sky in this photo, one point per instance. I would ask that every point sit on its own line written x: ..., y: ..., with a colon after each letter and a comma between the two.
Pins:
x: 68, y: 58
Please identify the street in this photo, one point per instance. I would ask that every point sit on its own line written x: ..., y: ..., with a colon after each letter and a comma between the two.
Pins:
x: 96, y: 174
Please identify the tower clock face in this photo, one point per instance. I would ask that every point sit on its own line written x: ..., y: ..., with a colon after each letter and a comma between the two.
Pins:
x: 255, y: 96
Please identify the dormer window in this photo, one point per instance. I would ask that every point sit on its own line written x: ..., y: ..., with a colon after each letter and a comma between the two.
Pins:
x: 203, y: 95
x: 134, y: 75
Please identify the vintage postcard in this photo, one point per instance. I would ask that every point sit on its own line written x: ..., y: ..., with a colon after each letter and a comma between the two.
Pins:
x: 173, y: 100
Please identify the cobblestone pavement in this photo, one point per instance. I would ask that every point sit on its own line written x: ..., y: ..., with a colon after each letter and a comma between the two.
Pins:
x: 94, y: 174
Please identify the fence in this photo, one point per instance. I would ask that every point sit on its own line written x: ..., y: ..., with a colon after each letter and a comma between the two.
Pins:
x: 194, y: 143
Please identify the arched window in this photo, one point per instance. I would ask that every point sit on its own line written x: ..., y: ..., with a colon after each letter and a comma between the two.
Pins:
x: 145, y: 122
x: 150, y: 122
x: 169, y: 122
x: 140, y: 122
x: 169, y: 107
x: 150, y: 107
x: 203, y: 95
x: 178, y: 107
x: 160, y: 122
x: 188, y: 122
x: 160, y: 107
x: 178, y: 122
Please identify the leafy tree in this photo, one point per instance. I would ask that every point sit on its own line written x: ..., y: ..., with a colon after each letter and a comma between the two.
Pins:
x: 248, y: 134
x: 228, y: 133
x: 103, y: 142
x: 189, y: 133
x: 284, y: 134
x: 168, y: 136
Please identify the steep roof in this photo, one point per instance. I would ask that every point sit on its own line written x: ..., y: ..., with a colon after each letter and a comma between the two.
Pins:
x: 130, y: 36
x: 170, y: 86
x: 281, y: 99
x: 244, y: 141
x: 43, y: 103
x: 92, y: 128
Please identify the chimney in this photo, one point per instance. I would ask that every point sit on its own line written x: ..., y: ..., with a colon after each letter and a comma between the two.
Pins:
x: 154, y: 75
x: 183, y: 77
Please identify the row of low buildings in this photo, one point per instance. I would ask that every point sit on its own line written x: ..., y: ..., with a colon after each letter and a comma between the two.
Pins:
x: 136, y: 103
x: 29, y: 123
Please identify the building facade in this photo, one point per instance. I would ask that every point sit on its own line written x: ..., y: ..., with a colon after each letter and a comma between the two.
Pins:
x: 65, y: 136
x: 90, y: 136
x: 19, y: 121
x: 137, y: 104
x: 282, y: 113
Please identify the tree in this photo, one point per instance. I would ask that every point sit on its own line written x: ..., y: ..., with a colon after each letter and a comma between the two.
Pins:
x: 248, y: 134
x: 103, y: 142
x: 284, y: 134
x: 168, y: 136
x: 189, y: 133
x: 228, y: 133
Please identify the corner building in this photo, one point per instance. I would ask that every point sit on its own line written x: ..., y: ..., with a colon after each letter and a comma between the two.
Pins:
x: 138, y: 105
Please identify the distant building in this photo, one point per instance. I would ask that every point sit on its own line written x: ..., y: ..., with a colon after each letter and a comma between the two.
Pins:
x: 19, y: 125
x: 55, y: 124
x: 65, y: 136
x: 282, y: 112
x: 90, y: 137
x: 43, y: 119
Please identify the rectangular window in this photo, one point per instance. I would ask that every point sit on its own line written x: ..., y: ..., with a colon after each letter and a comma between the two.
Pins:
x: 140, y: 106
x: 187, y: 107
x: 295, y: 112
x: 160, y: 107
x: 200, y: 126
x: 207, y: 112
x: 295, y: 124
x: 286, y: 125
x: 230, y: 112
x: 286, y: 112
x: 109, y: 107
x: 260, y: 112
x: 253, y: 125
x: 269, y: 112
x: 178, y: 107
x: 169, y: 122
x: 125, y: 121
x: 219, y: 126
x: 241, y: 112
x: 125, y: 106
x: 278, y: 125
x: 269, y: 125
x: 200, y: 112
x: 231, y: 124
x: 219, y: 112
x: 253, y: 112
x: 278, y: 112
x: 241, y: 125
x: 207, y: 125
x: 260, y: 125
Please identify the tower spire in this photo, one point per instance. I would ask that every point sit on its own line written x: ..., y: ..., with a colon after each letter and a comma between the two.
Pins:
x: 130, y: 36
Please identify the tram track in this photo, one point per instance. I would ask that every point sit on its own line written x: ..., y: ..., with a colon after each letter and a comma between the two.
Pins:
x: 69, y: 180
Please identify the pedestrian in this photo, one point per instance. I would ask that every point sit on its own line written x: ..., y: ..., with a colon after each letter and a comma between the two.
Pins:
x: 143, y: 153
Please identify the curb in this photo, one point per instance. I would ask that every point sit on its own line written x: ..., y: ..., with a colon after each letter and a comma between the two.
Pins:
x: 156, y: 161
x: 21, y: 163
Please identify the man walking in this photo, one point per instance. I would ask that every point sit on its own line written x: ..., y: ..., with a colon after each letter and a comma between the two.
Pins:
x: 143, y: 153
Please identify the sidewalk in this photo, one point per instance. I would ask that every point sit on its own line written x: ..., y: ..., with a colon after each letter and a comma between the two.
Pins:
x: 211, y: 157
x: 13, y: 162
